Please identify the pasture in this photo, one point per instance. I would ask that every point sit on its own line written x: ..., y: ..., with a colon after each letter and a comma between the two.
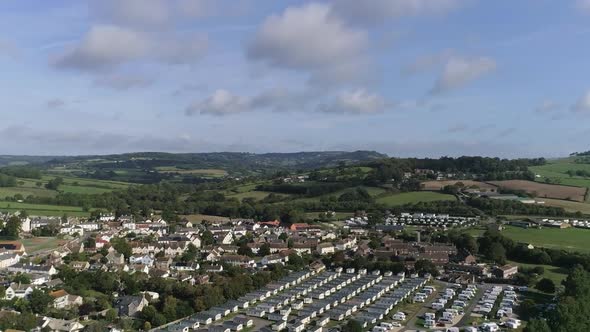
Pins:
x: 41, y: 243
x: 414, y: 197
x: 256, y: 195
x: 43, y: 209
x: 557, y: 170
x: 439, y: 185
x: 543, y: 190
x: 570, y: 239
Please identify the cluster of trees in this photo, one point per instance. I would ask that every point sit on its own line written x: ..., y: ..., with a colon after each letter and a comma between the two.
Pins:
x: 54, y: 183
x: 11, y: 228
x: 578, y: 172
x: 511, y: 207
x: 28, y: 172
x: 572, y: 312
x: 7, y: 180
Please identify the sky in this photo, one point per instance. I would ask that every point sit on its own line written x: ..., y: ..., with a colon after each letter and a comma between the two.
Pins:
x: 507, y: 78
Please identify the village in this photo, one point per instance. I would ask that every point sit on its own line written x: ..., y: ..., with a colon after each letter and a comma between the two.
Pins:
x: 331, y: 276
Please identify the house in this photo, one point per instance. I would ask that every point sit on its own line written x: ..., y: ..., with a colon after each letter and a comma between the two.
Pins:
x: 506, y: 271
x: 79, y: 265
x: 325, y: 248
x: 19, y: 291
x: 142, y: 259
x: 13, y: 247
x: 115, y: 258
x: 32, y: 268
x: 59, y: 325
x: 8, y: 259
x: 61, y: 299
x: 274, y: 259
x: 130, y: 305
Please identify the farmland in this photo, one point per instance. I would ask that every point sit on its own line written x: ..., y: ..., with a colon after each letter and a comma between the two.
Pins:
x: 41, y: 243
x: 36, y: 187
x: 438, y: 185
x: 414, y: 197
x: 556, y: 171
x: 544, y: 190
x: 569, y: 206
x: 206, y: 172
x: 43, y: 209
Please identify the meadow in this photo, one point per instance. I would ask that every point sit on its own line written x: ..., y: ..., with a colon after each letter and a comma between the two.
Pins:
x: 206, y: 172
x: 557, y: 169
x: 414, y: 197
x: 43, y: 209
x: 570, y: 239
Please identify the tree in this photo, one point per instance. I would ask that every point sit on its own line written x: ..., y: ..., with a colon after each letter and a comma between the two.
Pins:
x: 497, y: 253
x: 537, y: 325
x: 352, y: 326
x: 39, y: 301
x: 245, y: 250
x: 426, y: 266
x: 111, y: 315
x: 13, y: 227
x: 264, y: 249
x: 546, y: 285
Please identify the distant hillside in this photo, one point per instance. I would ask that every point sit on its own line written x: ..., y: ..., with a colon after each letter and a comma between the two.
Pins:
x: 152, y: 167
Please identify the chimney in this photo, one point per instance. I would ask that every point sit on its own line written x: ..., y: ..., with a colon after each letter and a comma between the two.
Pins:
x: 418, y: 236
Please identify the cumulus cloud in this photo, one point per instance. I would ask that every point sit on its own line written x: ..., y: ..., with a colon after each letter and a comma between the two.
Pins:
x: 458, y: 72
x: 583, y: 104
x: 55, y: 103
x: 310, y: 38
x: 221, y: 102
x: 373, y: 11
x: 123, y: 81
x: 358, y: 101
x: 106, y: 46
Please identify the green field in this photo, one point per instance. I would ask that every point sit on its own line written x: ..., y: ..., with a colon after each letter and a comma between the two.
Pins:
x: 36, y: 187
x: 41, y: 243
x: 43, y: 209
x: 571, y: 239
x: 556, y: 169
x: 206, y: 172
x: 257, y: 195
x: 557, y: 274
x: 414, y: 197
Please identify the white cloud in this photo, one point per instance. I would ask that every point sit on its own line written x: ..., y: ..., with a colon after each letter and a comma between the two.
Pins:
x: 427, y: 62
x: 359, y: 101
x: 106, y: 46
x: 310, y: 38
x: 123, y: 81
x: 458, y: 72
x: 547, y: 106
x: 373, y: 11
x: 583, y: 104
x: 221, y: 102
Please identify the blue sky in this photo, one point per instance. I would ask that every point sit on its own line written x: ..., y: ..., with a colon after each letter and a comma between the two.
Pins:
x: 404, y: 77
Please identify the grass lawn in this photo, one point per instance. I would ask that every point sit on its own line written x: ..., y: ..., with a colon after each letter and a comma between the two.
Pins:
x: 571, y: 239
x: 557, y: 274
x: 197, y: 218
x: 414, y: 197
x: 41, y: 243
x: 43, y: 209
